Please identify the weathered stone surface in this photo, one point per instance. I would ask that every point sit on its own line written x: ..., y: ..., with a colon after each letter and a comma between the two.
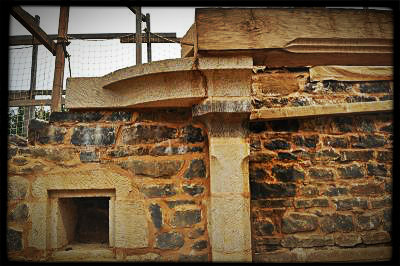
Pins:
x: 154, y: 169
x: 40, y: 131
x: 14, y: 240
x: 387, y: 219
x: 287, y: 174
x: 19, y: 161
x: 20, y: 213
x: 164, y: 151
x: 365, y: 125
x: 257, y: 173
x: 357, y: 98
x: 196, y: 169
x: 298, y: 222
x: 174, y: 203
x: 336, y: 86
x: 336, y: 142
x: 192, y: 190
x: 200, y: 245
x: 376, y: 237
x: 89, y: 156
x: 165, y: 115
x: 289, y: 125
x: 387, y: 128
x: 374, y: 87
x: 369, y: 221
x: 277, y: 144
x: 123, y: 151
x: 144, y: 258
x: 169, y: 240
x: 348, y: 204
x: 186, y: 218
x: 321, y: 174
x: 311, y: 203
x: 100, y: 136
x: 139, y: 134
x: 351, y: 171
x: 59, y: 155
x: 278, y: 203
x: 71, y: 116
x: 326, y: 155
x: 307, y: 241
x: 309, y: 191
x: 347, y: 240
x: 255, y: 144
x: 196, y: 233
x: 377, y: 170
x: 11, y: 152
x: 157, y: 191
x: 380, y: 203
x: 337, y: 222
x: 17, y: 188
x: 366, y: 189
x: 309, y: 142
x: 17, y: 141
x: 265, y: 227
x: 193, y: 258
x: 156, y: 215
x: 368, y: 141
x: 263, y: 190
x: 118, y: 116
x: 343, y: 124
x: 352, y: 155
x: 192, y: 134
x: 336, y: 191
x: 287, y: 156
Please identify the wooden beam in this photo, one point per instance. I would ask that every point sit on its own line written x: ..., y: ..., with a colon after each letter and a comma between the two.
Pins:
x: 29, y: 23
x: 124, y: 38
x: 138, y: 33
x: 149, y: 37
x: 320, y: 110
x: 133, y: 9
x: 60, y: 60
x: 17, y: 103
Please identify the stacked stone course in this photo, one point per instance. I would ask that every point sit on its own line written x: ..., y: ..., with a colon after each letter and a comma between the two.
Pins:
x: 162, y: 151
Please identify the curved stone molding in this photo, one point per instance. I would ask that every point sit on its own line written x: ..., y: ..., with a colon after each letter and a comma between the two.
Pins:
x: 167, y: 83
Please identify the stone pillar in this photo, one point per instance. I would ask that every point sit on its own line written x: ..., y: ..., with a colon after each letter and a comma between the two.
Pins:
x: 229, y: 207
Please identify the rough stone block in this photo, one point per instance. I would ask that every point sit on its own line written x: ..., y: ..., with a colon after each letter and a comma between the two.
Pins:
x: 298, y: 222
x: 375, y: 237
x: 294, y: 241
x: 174, y: 203
x: 257, y: 127
x: 321, y: 174
x: 14, y: 240
x: 309, y: 191
x: 140, y: 134
x: 369, y: 221
x: 336, y: 191
x: 71, y: 116
x: 40, y: 131
x: 196, y: 233
x: 351, y: 171
x: 20, y: 214
x: 336, y: 142
x: 17, y: 188
x: 347, y: 240
x: 156, y: 215
x: 123, y: 151
x: 326, y: 155
x: 357, y: 98
x: 118, y: 116
x: 336, y: 86
x: 144, y: 258
x: 368, y: 141
x: 265, y: 227
x: 311, y: 203
x: 366, y: 189
x: 352, y: 155
x: 89, y: 156
x: 287, y: 174
x: 17, y: 141
x: 289, y: 125
x: 192, y: 134
x: 192, y: 190
x: 193, y: 258
x: 287, y: 156
x: 197, y: 169
x: 200, y: 245
x: 169, y: 240
x: 255, y: 144
x: 348, y: 204
x: 154, y: 169
x: 375, y: 87
x: 376, y: 170
x: 99, y: 136
x: 343, y: 124
x: 257, y: 173
x: 337, y: 222
x: 186, y: 218
x: 157, y: 191
x: 382, y: 202
x: 277, y: 144
x: 278, y: 203
x: 264, y: 190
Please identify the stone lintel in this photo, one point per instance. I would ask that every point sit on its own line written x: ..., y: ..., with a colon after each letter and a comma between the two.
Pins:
x: 220, y: 105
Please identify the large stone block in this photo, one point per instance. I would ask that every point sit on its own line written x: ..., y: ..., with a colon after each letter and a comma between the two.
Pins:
x: 140, y: 134
x: 20, y: 213
x: 294, y: 241
x: 99, y: 136
x: 347, y: 239
x: 17, y: 188
x: 277, y: 144
x: 287, y: 174
x: 44, y: 133
x: 157, y: 191
x: 186, y: 218
x: 197, y: 168
x: 14, y: 240
x: 154, y: 169
x: 298, y: 222
x: 368, y: 141
x: 156, y: 215
x: 321, y: 174
x: 376, y: 237
x: 265, y: 190
x: 351, y: 171
x: 192, y: 189
x: 170, y: 240
x: 192, y: 134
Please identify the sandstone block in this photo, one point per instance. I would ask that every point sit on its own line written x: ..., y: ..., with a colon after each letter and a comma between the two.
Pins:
x: 347, y: 240
x: 375, y: 237
x: 144, y: 258
x: 17, y: 188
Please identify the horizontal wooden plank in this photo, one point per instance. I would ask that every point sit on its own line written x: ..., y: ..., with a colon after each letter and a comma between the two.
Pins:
x: 351, y: 73
x: 319, y: 110
x: 124, y: 38
x: 16, y: 103
x: 260, y: 28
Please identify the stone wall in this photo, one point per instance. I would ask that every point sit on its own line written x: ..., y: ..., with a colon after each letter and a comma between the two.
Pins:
x: 320, y: 185
x: 162, y: 152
